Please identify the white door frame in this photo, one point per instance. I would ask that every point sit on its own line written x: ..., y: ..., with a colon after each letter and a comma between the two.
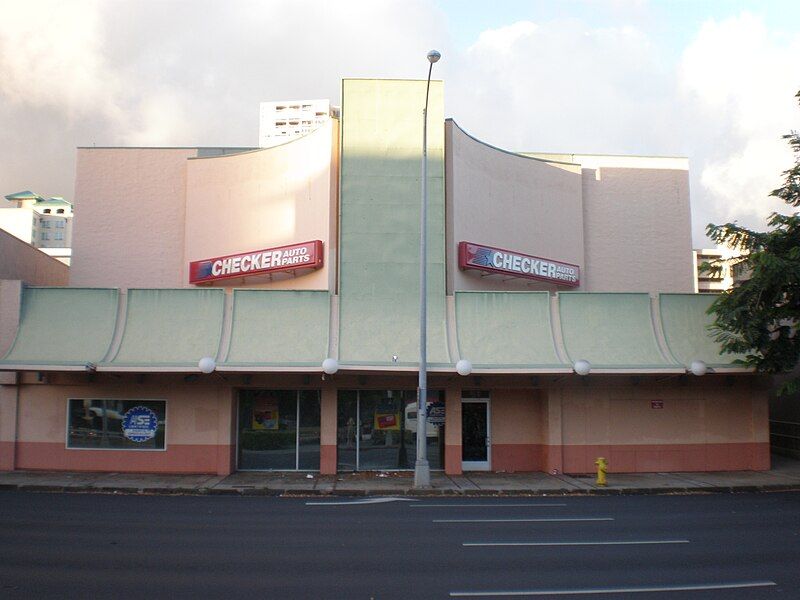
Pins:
x: 480, y: 465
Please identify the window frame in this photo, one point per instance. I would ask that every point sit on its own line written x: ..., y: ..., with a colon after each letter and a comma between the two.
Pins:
x: 166, y: 420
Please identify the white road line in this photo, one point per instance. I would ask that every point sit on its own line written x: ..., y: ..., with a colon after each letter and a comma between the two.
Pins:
x: 365, y: 501
x: 482, y: 505
x: 554, y: 520
x: 621, y: 590
x: 623, y: 543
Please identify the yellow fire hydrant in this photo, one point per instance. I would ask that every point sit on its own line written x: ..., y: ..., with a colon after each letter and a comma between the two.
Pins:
x: 602, y: 468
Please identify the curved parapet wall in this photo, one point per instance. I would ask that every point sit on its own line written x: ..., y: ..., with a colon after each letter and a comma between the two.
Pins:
x: 611, y: 331
x: 685, y: 323
x: 63, y: 328
x: 506, y: 200
x: 264, y: 199
x: 170, y: 329
x: 281, y: 328
x: 506, y: 330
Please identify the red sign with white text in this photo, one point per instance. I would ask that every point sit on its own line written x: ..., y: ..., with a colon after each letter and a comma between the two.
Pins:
x: 307, y: 255
x: 516, y: 264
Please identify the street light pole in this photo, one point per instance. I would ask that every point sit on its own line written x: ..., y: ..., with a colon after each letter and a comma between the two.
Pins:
x: 422, y: 470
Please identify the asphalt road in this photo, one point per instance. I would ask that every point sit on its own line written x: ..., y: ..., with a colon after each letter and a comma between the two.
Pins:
x: 665, y: 547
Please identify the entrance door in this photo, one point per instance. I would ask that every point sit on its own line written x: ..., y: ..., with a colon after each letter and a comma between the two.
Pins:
x: 476, y: 442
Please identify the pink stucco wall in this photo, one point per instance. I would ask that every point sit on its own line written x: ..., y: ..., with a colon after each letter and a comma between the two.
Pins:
x: 22, y: 261
x: 142, y: 214
x: 628, y: 225
x: 637, y: 230
x: 263, y: 199
x: 509, y: 201
x: 713, y: 425
x: 10, y: 306
x: 129, y: 217
x: 199, y: 427
x: 708, y: 425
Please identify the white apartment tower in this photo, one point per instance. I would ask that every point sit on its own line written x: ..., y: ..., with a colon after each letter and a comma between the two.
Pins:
x: 45, y: 224
x: 288, y: 119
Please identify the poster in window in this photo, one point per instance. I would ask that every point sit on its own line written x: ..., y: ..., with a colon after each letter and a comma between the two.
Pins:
x: 265, y: 414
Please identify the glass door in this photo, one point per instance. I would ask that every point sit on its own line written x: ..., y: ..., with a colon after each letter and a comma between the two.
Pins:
x: 476, y: 442
x: 377, y: 431
x: 279, y: 430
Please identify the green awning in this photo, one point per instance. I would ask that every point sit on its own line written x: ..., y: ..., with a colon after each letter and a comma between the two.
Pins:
x: 610, y: 330
x: 63, y: 327
x: 279, y: 328
x: 685, y: 323
x: 167, y: 328
x: 506, y: 330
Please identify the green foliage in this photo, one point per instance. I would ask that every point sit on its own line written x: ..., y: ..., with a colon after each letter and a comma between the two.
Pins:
x: 759, y: 317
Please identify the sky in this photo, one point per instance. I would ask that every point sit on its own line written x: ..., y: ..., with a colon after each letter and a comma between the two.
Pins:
x: 710, y: 80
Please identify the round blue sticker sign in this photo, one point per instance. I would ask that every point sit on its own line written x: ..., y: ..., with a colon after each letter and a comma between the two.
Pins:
x: 139, y: 424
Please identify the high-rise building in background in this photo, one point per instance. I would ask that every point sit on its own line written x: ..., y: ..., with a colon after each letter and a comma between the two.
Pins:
x: 715, y: 282
x: 44, y: 223
x: 289, y: 119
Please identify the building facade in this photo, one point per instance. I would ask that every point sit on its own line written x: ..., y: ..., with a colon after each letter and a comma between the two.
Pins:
x: 201, y: 348
x: 283, y: 121
x: 45, y: 224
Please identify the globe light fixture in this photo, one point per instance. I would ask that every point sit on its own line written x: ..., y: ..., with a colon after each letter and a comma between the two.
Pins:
x: 464, y: 367
x: 207, y: 365
x: 698, y: 368
x: 582, y: 367
x: 330, y: 366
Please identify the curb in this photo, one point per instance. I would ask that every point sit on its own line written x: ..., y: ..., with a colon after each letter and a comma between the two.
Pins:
x: 462, y: 493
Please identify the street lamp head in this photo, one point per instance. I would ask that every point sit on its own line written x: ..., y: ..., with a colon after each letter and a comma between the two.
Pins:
x: 434, y: 56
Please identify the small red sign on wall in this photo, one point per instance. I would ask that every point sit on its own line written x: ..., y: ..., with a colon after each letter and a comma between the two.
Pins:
x: 658, y: 404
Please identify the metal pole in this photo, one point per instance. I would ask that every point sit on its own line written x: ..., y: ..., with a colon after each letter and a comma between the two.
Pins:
x: 422, y: 470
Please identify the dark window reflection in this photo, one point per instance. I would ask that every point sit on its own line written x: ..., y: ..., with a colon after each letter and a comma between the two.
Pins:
x: 102, y: 423
x: 308, y: 438
x: 269, y: 436
x: 377, y: 431
x: 346, y: 419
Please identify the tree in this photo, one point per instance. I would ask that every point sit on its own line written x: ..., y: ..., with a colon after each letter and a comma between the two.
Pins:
x: 759, y: 318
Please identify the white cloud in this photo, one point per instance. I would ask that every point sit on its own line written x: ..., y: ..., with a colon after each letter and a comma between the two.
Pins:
x: 51, y: 56
x: 187, y: 72
x: 740, y: 78
x: 193, y: 72
x: 560, y: 86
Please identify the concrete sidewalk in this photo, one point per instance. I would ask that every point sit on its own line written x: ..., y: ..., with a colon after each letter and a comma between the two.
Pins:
x: 784, y: 475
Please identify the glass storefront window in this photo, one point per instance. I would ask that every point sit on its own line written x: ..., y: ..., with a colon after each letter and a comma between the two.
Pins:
x: 116, y: 424
x: 376, y: 430
x: 279, y: 430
